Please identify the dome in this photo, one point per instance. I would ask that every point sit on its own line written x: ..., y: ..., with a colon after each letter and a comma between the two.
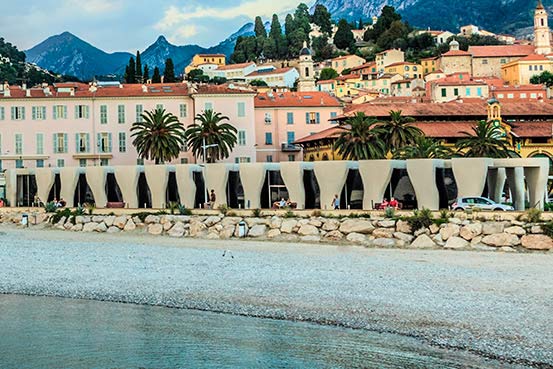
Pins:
x: 305, y: 50
x: 454, y: 43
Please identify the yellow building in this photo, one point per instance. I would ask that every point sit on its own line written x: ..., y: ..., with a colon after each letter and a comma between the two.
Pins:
x: 342, y: 63
x: 388, y: 57
x: 405, y: 69
x: 202, y: 59
x: 347, y: 85
x: 429, y: 65
x: 519, y: 72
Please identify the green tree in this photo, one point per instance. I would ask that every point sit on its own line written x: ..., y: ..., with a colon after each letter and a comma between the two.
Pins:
x: 156, y: 76
x: 323, y: 50
x: 360, y: 139
x: 146, y: 75
x: 322, y: 18
x: 259, y: 28
x: 397, y: 31
x: 138, y: 72
x: 423, y: 148
x: 545, y: 78
x: 387, y: 17
x: 343, y: 39
x: 270, y: 49
x: 327, y: 73
x: 302, y: 19
x: 399, y: 131
x: 295, y: 42
x: 210, y: 128
x: 194, y: 74
x: 159, y: 137
x: 289, y: 25
x: 258, y: 82
x: 276, y: 45
x: 360, y: 25
x: 130, y: 72
x: 169, y: 72
x: 485, y: 141
x: 245, y: 50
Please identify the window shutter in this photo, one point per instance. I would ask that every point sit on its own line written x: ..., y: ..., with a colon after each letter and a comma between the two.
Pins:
x: 318, y: 118
x: 307, y: 118
x: 86, y: 112
x: 22, y: 113
x: 76, y: 111
x: 77, y: 143
x: 99, y: 142
x: 43, y: 113
x: 65, y: 112
x: 88, y: 142
x: 34, y: 112
x: 55, y: 145
x: 13, y: 112
x: 109, y: 142
x: 54, y: 112
x: 65, y: 142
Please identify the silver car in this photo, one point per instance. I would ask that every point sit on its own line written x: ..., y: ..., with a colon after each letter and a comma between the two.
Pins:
x: 482, y: 203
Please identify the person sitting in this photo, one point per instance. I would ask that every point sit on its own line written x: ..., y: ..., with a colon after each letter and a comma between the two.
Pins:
x: 393, y: 203
x: 283, y: 203
x: 1, y: 203
x: 384, y: 204
x: 62, y: 203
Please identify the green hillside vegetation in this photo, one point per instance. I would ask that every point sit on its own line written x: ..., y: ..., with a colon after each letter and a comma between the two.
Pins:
x: 16, y: 71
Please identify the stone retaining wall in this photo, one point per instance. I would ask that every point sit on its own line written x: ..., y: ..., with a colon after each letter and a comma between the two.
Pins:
x: 373, y: 231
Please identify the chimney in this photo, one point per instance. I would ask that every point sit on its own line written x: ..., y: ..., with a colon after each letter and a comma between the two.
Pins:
x: 6, y: 89
x: 144, y: 89
x: 72, y: 92
x: 28, y: 93
x: 24, y: 86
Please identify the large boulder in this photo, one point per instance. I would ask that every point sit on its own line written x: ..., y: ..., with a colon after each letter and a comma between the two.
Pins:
x: 403, y: 227
x: 456, y: 243
x: 155, y: 229
x: 120, y: 221
x: 90, y: 227
x: 383, y: 233
x: 113, y: 230
x: 449, y: 230
x: 212, y: 220
x: 177, y: 230
x: 356, y: 226
x: 230, y: 221
x: 258, y: 230
x: 308, y: 230
x: 151, y: 219
x: 197, y: 228
x: 109, y: 220
x: 407, y: 238
x: 273, y: 233
x: 128, y: 227
x: 471, y: 231
x: 384, y: 242
x: 288, y: 225
x: 102, y: 227
x: 334, y: 236
x: 516, y: 230
x: 493, y: 228
x: 357, y: 238
x: 537, y: 242
x: 387, y: 223
x: 423, y: 241
x: 331, y: 225
x: 275, y: 223
x: 501, y: 239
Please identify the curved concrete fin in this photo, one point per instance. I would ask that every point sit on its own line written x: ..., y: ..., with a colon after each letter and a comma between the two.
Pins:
x: 331, y: 176
x: 252, y: 177
x: 292, y: 175
x: 376, y: 175
x: 496, y: 183
x: 96, y: 178
x: 536, y: 180
x: 216, y: 178
x: 69, y: 178
x: 127, y: 179
x: 470, y: 175
x: 45, y: 178
x: 157, y: 177
x: 186, y: 185
x: 11, y: 186
x: 422, y: 173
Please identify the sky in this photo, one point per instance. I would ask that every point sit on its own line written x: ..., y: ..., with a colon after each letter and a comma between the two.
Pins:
x: 130, y: 25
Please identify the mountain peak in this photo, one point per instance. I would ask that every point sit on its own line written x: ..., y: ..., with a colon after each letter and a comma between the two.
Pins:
x: 161, y: 40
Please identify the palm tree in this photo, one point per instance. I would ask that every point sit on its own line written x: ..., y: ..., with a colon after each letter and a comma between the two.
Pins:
x: 399, y: 131
x: 424, y: 148
x: 159, y: 137
x: 486, y: 141
x: 360, y: 139
x: 209, y: 130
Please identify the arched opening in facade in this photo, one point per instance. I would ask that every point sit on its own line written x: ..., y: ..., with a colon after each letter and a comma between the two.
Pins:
x: 401, y: 188
x: 83, y: 193
x: 312, y: 190
x: 55, y: 191
x: 273, y: 190
x: 172, y: 191
x: 200, y: 189
x: 26, y: 190
x: 353, y: 191
x: 113, y: 191
x: 143, y: 192
x: 235, y: 191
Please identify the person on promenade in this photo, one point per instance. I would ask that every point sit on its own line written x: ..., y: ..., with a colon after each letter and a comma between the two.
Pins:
x: 336, y: 202
x: 1, y: 203
x: 384, y: 204
x: 283, y: 203
x: 393, y: 203
x: 212, y: 199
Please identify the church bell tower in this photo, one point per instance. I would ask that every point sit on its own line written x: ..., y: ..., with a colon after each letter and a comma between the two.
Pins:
x: 542, y: 36
x: 307, y: 72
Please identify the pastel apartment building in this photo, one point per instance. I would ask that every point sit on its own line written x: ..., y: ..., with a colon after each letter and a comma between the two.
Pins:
x: 275, y: 77
x: 282, y: 118
x: 388, y: 57
x: 521, y: 71
x: 73, y: 124
x: 342, y: 63
x: 205, y: 59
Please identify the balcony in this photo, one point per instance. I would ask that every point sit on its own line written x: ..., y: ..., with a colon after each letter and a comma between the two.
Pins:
x: 287, y: 147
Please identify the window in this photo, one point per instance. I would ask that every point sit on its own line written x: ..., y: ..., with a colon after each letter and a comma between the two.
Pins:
x: 241, y: 109
x: 444, y: 92
x: 139, y: 109
x: 208, y: 106
x: 40, y: 144
x: 455, y: 92
x: 103, y: 114
x: 60, y: 112
x: 290, y: 118
x: 184, y: 160
x: 183, y: 108
x: 160, y: 107
x: 510, y: 96
x: 333, y: 115
x: 533, y: 96
x: 500, y: 96
x: 484, y: 61
x: 290, y: 137
x: 81, y: 112
x: 82, y: 162
x: 503, y: 61
x: 139, y: 161
x: 40, y: 163
x: 467, y: 91
x: 541, y: 67
x: 39, y: 112
x: 60, y: 143
x: 523, y: 96
x: 312, y: 118
x: 268, y: 138
x: 104, y: 142
x: 242, y: 138
x: 291, y: 157
x: 19, y: 163
x: 18, y: 143
x: 122, y: 142
x: 18, y: 113
x: 121, y: 114
x: 268, y: 118
x: 104, y: 162
x: 82, y: 142
x: 479, y: 91
x: 242, y: 159
x: 530, y: 68
x: 61, y: 163
x: 2, y: 113
x: 269, y: 158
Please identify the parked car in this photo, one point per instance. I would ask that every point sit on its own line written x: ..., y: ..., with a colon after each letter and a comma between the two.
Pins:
x: 483, y: 203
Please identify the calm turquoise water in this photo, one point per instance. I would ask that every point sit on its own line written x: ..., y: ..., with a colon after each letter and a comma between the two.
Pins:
x: 44, y: 332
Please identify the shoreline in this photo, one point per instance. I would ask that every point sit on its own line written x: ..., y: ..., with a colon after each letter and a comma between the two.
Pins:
x: 252, y: 298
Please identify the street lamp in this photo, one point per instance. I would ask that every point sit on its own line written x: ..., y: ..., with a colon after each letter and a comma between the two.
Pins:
x: 204, y: 148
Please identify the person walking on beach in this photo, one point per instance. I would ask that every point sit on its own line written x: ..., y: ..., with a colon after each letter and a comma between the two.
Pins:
x: 336, y: 202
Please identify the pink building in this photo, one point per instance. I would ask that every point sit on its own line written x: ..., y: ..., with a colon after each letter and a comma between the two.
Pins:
x: 73, y: 124
x: 282, y: 118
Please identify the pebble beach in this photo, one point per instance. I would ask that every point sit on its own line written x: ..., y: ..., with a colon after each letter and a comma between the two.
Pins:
x: 497, y: 305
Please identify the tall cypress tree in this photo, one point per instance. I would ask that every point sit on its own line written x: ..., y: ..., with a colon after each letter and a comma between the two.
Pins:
x: 259, y: 28
x: 130, y: 72
x: 138, y: 73
x: 156, y: 77
x: 146, y: 75
x: 169, y: 72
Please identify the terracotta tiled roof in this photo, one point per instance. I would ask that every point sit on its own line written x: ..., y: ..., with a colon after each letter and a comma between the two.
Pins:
x: 235, y: 66
x: 456, y: 53
x: 296, y: 99
x: 344, y: 57
x: 460, y: 82
x: 501, y: 50
x: 325, y: 82
x: 348, y: 76
x: 270, y: 72
x: 222, y: 89
x: 363, y: 66
x: 400, y: 63
x: 212, y: 55
x: 325, y: 134
x: 520, y: 88
x: 534, y: 57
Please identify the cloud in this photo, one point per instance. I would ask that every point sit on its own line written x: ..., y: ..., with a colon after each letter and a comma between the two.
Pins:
x: 95, y: 6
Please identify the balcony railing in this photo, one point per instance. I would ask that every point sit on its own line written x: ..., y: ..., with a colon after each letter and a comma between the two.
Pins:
x: 286, y: 147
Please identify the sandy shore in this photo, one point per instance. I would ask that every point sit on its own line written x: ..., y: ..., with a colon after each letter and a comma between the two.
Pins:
x: 494, y: 304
